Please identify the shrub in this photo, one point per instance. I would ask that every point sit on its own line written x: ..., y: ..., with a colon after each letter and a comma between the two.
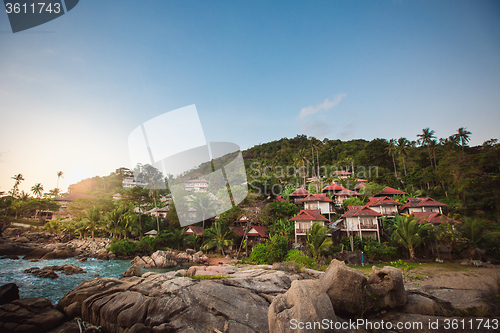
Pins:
x: 297, y: 257
x: 380, y: 251
x: 274, y: 250
x: 122, y: 247
x: 146, y: 245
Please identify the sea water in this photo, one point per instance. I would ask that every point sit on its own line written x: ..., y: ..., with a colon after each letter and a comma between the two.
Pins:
x: 11, y: 271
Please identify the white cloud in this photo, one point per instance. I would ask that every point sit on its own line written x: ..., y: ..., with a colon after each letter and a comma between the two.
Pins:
x: 326, y: 105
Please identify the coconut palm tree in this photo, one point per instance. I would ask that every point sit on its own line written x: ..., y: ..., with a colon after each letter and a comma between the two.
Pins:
x: 15, y: 190
x: 93, y: 218
x: 463, y: 136
x: 406, y: 231
x: 391, y: 150
x: 177, y: 237
x: 54, y: 193
x: 402, y: 150
x: 302, y: 161
x: 37, y: 190
x: 219, y: 236
x: 204, y: 206
x: 317, y: 239
x: 59, y: 175
x: 425, y: 138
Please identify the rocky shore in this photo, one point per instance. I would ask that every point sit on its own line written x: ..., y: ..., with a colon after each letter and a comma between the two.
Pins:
x: 246, y: 298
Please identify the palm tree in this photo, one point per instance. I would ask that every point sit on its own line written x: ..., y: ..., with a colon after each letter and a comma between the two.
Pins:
x: 177, y: 237
x: 204, y: 206
x: 116, y: 220
x: 59, y: 175
x: 15, y: 190
x: 93, y: 218
x: 391, y: 150
x: 54, y: 192
x: 406, y: 231
x: 37, y: 190
x: 192, y: 240
x: 402, y: 150
x: 425, y: 139
x: 219, y: 235
x: 283, y: 228
x: 302, y: 161
x: 463, y: 135
x: 317, y: 239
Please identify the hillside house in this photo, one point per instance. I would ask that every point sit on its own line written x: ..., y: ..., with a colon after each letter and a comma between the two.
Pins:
x: 129, y: 182
x: 435, y: 218
x: 319, y: 201
x: 298, y: 195
x: 416, y: 205
x: 383, y: 205
x: 196, y: 185
x: 361, y: 221
x: 344, y: 194
x: 194, y: 230
x: 304, y: 220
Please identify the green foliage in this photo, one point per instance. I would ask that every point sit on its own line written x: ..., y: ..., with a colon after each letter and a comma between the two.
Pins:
x: 218, y: 236
x: 317, y: 239
x: 379, y: 251
x: 274, y: 250
x: 297, y: 257
x: 122, y: 247
x: 279, y: 210
x: 146, y: 245
x: 407, y: 231
x: 354, y: 201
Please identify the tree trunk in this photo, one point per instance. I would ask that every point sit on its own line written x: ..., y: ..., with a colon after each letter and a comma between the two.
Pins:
x: 394, y: 162
x: 404, y: 165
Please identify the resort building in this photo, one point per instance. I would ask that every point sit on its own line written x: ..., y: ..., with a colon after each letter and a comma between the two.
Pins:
x: 129, y: 182
x: 435, y: 218
x: 383, y: 205
x: 196, y: 185
x: 319, y: 201
x: 341, y: 174
x: 361, y: 221
x: 415, y: 205
x: 194, y: 230
x: 344, y: 194
x: 298, y: 195
x: 304, y: 220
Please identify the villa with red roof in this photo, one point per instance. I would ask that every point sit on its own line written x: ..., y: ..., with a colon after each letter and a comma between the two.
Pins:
x: 298, y: 195
x: 341, y: 174
x: 334, y: 188
x: 256, y: 234
x: 361, y: 221
x: 318, y: 201
x: 194, y: 230
x: 304, y: 220
x: 390, y: 192
x: 414, y: 205
x: 345, y: 194
x: 383, y: 205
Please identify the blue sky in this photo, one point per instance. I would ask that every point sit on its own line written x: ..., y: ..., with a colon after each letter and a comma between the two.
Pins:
x: 73, y: 89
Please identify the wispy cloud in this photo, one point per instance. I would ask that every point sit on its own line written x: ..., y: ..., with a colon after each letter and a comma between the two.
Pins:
x: 326, y: 105
x: 348, y: 131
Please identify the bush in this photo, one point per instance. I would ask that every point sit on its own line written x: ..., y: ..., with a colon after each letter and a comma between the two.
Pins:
x: 297, y: 257
x: 122, y: 247
x: 274, y: 250
x: 380, y: 251
x: 146, y: 244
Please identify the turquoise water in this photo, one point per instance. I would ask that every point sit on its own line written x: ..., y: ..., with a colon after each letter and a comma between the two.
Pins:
x: 11, y: 271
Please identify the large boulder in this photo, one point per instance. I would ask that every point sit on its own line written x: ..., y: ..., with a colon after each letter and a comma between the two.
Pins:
x: 386, y: 288
x: 36, y: 314
x: 36, y: 254
x: 162, y: 302
x: 42, y: 273
x: 305, y: 302
x: 346, y: 288
x: 59, y: 253
x: 22, y: 239
x: 134, y: 270
x: 8, y: 293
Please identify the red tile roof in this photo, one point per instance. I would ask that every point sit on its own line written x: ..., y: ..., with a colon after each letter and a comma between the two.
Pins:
x: 360, y: 186
x: 253, y: 232
x: 300, y: 193
x: 333, y: 188
x: 421, y: 202
x: 316, y: 197
x: 360, y: 211
x: 309, y: 215
x: 433, y: 217
x: 389, y: 191
x: 193, y: 229
x: 347, y: 192
x: 280, y: 198
x: 382, y: 201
